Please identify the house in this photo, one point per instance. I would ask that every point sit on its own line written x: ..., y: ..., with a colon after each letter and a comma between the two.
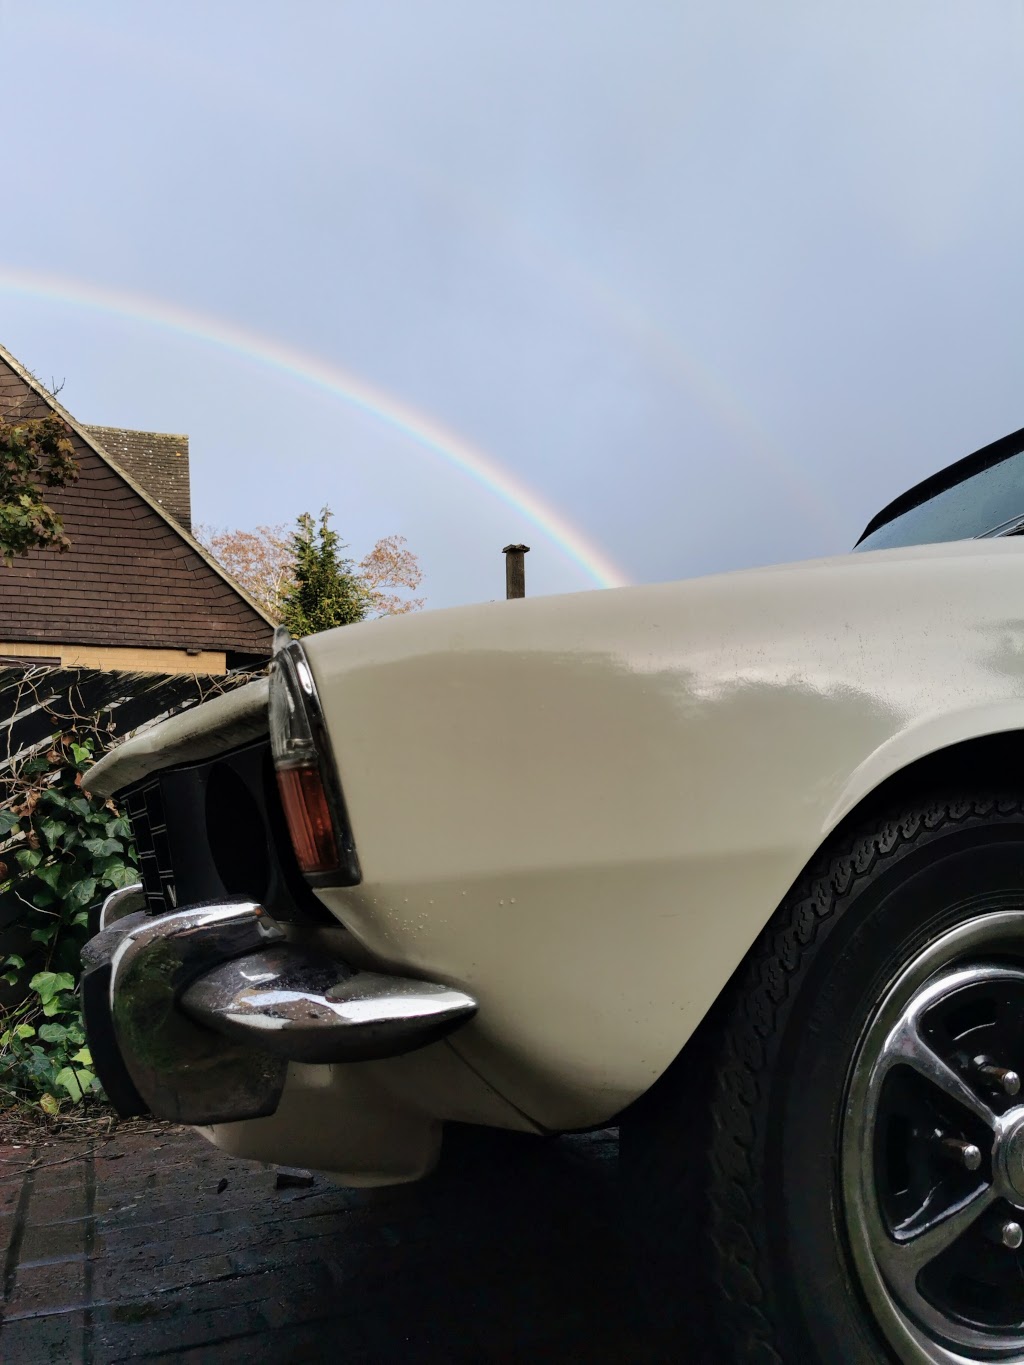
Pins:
x: 136, y: 591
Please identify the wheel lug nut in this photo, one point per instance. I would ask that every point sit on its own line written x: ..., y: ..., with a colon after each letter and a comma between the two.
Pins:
x: 965, y: 1154
x: 1006, y: 1080
x: 1009, y: 1235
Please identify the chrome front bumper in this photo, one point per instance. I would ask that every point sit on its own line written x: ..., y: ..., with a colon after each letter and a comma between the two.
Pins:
x: 194, y: 1016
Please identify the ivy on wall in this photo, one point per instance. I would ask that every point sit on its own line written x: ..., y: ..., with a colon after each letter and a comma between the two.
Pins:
x: 70, y: 849
x: 62, y: 851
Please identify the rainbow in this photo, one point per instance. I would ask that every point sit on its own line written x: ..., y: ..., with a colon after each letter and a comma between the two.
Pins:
x: 310, y: 369
x: 565, y: 271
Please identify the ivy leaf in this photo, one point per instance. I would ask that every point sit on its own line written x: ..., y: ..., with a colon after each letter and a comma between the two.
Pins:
x: 53, y: 1033
x: 11, y: 971
x: 24, y: 1030
x: 82, y: 753
x: 28, y: 859
x: 47, y: 984
x: 103, y: 848
x: 50, y: 875
x: 44, y: 984
x: 67, y: 1077
x: 44, y: 935
x: 84, y: 1056
x: 119, y: 828
x: 53, y: 831
x: 9, y: 821
x: 49, y: 1105
x: 81, y: 894
x: 13, y: 960
x: 119, y: 874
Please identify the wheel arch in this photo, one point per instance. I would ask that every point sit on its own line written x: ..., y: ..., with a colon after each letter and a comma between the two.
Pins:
x: 989, y: 760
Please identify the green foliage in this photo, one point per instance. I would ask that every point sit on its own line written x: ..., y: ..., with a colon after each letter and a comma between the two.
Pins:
x: 64, y: 851
x: 46, y: 1062
x: 326, y: 591
x: 34, y: 455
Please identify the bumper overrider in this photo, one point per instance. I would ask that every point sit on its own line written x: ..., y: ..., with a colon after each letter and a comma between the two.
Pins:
x: 194, y: 1015
x: 194, y: 1011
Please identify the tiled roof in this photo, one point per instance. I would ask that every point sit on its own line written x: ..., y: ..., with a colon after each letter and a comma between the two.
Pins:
x: 134, y: 576
x: 157, y: 460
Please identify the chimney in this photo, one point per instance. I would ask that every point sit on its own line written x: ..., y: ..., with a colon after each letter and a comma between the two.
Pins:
x: 515, y: 570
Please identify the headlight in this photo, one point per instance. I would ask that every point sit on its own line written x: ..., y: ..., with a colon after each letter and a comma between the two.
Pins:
x: 306, y: 777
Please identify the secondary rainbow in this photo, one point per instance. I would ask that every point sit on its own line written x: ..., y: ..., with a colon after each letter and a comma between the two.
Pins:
x: 425, y: 430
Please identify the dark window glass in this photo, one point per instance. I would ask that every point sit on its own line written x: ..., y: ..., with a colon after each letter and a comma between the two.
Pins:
x: 988, y: 502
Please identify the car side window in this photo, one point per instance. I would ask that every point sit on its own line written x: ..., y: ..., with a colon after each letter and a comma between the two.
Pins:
x: 990, y: 502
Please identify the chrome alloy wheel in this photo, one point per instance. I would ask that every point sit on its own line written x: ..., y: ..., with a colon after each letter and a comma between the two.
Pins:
x: 932, y: 1152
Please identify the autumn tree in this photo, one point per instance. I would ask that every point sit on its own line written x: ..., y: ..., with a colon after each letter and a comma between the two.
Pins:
x: 263, y: 561
x: 35, y: 455
x: 390, y: 565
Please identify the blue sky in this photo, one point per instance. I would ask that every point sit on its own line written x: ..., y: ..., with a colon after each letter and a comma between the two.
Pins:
x: 713, y: 281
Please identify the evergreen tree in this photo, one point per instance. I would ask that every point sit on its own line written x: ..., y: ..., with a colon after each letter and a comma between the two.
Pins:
x: 263, y: 561
x: 327, y: 591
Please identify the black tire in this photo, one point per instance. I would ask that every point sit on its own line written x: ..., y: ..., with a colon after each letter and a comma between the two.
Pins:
x: 733, y: 1164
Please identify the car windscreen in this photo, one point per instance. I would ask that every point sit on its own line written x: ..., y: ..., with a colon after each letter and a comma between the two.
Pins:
x: 990, y: 502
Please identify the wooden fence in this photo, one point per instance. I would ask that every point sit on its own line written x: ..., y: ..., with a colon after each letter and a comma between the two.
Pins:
x: 36, y: 703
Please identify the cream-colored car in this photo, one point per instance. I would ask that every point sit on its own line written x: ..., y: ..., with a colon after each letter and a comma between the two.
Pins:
x: 736, y: 864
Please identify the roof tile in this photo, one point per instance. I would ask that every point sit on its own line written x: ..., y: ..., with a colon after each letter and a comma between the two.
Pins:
x: 131, y: 578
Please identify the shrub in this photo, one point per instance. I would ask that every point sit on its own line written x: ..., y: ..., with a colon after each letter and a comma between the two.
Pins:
x: 64, y: 851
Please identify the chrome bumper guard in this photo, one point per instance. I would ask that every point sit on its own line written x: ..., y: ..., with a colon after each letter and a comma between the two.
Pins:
x: 195, y: 1015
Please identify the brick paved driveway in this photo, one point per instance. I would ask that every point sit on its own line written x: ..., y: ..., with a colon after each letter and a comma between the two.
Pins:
x: 157, y: 1247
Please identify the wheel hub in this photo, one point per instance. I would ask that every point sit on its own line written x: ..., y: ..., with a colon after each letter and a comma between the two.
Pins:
x: 1008, y: 1155
x: 933, y: 1150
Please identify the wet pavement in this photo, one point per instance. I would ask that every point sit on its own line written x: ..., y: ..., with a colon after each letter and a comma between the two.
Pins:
x: 155, y: 1246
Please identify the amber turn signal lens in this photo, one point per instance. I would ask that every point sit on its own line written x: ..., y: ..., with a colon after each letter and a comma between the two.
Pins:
x: 309, y: 818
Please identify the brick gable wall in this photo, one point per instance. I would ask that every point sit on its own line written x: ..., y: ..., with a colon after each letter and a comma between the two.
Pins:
x: 129, y: 579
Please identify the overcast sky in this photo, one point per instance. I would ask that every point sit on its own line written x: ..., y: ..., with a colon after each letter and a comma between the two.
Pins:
x: 714, y: 281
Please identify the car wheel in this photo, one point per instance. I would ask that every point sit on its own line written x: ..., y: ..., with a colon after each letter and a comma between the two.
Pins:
x: 833, y: 1170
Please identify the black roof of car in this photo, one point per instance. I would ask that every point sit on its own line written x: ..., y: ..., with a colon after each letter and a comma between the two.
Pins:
x: 946, y: 478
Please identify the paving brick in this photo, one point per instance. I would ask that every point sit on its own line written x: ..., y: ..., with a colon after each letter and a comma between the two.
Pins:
x: 511, y: 1252
x: 43, y: 1290
x: 56, y: 1340
x: 58, y: 1206
x: 141, y: 1336
x: 48, y: 1241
